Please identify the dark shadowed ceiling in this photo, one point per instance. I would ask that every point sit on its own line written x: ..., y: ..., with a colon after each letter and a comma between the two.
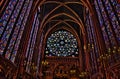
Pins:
x: 67, y: 13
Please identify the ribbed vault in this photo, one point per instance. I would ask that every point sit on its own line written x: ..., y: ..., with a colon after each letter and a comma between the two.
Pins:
x: 66, y: 15
x: 63, y: 14
x: 62, y: 11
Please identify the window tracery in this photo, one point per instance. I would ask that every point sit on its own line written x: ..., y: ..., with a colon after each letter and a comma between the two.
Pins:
x: 61, y: 43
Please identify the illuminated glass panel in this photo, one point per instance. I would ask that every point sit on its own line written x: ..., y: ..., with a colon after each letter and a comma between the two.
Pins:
x: 61, y: 43
x: 10, y: 27
x: 15, y: 34
x: 5, y: 17
x: 27, y: 6
x: 108, y: 16
x: 20, y: 33
x: 15, y: 31
x: 31, y: 44
x: 107, y: 24
x: 92, y: 44
x: 105, y: 36
x: 116, y: 6
x: 22, y: 27
x: 106, y: 27
x: 113, y: 18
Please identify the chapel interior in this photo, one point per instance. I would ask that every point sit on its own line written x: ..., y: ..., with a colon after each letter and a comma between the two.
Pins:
x: 59, y: 39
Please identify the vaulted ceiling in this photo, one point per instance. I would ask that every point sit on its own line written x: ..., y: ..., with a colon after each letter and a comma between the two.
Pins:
x: 62, y: 14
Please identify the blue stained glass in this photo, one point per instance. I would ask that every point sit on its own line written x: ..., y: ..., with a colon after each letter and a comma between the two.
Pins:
x: 110, y: 19
x: 10, y: 25
x: 6, y: 15
x: 107, y: 23
x: 16, y: 31
x: 61, y: 43
x: 116, y: 7
x: 90, y: 40
x: 94, y: 39
x: 31, y: 35
x: 113, y: 18
x: 21, y: 31
x: 32, y: 40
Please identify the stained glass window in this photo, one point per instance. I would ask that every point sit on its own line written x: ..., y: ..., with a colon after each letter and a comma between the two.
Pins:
x: 31, y: 44
x: 10, y: 26
x: 61, y: 43
x: 92, y: 44
x: 18, y: 32
x: 113, y: 17
x: 14, y: 36
x: 90, y: 41
x: 22, y: 27
x: 116, y: 7
x: 14, y: 32
x: 108, y: 15
x: 102, y: 25
x: 5, y: 17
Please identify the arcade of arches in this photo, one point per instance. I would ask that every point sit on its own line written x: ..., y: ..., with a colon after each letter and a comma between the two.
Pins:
x: 60, y: 39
